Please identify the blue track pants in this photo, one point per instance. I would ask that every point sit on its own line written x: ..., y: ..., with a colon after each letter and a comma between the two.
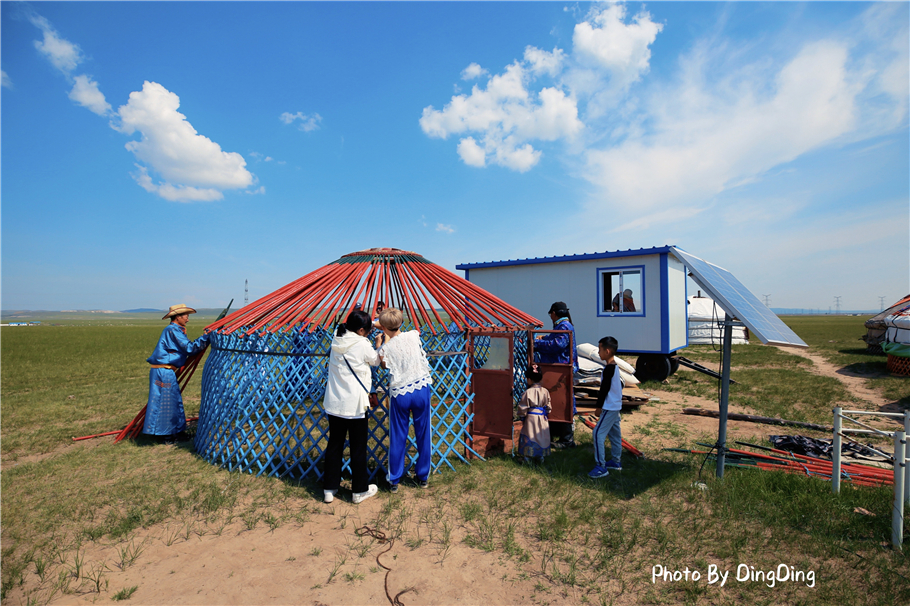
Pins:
x: 607, y: 427
x: 416, y: 403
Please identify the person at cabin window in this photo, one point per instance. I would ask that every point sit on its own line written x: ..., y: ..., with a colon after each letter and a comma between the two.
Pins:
x: 628, y: 304
x: 164, y: 415
x: 557, y: 348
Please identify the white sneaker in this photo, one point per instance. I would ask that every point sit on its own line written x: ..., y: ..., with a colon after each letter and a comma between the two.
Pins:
x: 329, y: 495
x: 360, y: 497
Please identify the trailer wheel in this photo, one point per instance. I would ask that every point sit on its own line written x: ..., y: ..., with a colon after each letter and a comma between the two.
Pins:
x: 653, y: 367
x: 674, y: 364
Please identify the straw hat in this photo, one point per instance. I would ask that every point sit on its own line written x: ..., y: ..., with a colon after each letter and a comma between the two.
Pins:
x: 176, y: 310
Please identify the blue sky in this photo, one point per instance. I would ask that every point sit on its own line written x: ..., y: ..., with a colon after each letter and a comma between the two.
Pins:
x: 155, y: 153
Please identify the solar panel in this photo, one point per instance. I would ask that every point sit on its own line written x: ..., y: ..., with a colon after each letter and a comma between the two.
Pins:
x: 735, y: 299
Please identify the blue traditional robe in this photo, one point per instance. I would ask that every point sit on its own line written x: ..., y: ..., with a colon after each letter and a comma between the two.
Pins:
x: 164, y: 414
x: 554, y: 348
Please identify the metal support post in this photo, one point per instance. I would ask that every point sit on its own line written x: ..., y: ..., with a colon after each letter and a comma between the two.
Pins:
x: 835, y: 451
x: 724, y: 395
x: 897, y: 514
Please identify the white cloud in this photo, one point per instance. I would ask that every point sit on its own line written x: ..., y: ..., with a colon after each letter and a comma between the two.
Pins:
x: 473, y: 71
x: 262, y: 157
x: 192, y: 166
x: 608, y: 56
x: 509, y: 114
x: 543, y: 62
x: 445, y: 228
x: 175, y: 193
x: 63, y: 54
x: 307, y: 124
x: 506, y: 116
x: 888, y: 92
x: 471, y: 153
x: 522, y: 158
x: 706, y: 141
x: 606, y: 41
x: 85, y: 92
x: 4, y: 80
x: 66, y: 56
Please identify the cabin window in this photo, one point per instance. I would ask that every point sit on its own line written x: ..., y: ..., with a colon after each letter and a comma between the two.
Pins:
x: 620, y: 291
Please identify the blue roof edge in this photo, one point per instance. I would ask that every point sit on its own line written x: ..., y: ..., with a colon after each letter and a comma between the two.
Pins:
x: 636, y: 252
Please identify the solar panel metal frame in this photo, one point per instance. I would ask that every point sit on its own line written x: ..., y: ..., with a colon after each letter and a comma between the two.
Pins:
x: 738, y: 301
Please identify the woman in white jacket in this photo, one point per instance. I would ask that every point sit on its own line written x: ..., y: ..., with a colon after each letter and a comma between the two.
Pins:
x: 347, y: 396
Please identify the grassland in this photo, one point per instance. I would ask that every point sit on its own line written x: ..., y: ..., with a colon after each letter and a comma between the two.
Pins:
x: 593, y: 539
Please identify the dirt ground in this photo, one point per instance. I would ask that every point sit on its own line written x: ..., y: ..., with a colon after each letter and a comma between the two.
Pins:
x: 293, y: 563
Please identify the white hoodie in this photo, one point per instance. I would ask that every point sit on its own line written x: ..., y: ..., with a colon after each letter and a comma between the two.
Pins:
x: 344, y: 396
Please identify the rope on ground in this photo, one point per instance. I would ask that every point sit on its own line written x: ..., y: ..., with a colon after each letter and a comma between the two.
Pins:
x: 381, y: 538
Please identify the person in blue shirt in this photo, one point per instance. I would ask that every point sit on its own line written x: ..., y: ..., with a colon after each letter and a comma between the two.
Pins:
x: 164, y: 414
x: 556, y: 349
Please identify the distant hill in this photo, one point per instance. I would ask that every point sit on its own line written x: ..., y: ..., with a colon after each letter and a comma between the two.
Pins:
x: 141, y: 310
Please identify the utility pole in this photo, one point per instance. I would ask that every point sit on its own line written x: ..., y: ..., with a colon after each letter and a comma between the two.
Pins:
x: 767, y: 299
x: 246, y: 293
x: 837, y: 305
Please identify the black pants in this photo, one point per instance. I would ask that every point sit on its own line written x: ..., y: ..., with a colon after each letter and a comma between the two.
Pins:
x: 356, y: 430
x: 561, y: 433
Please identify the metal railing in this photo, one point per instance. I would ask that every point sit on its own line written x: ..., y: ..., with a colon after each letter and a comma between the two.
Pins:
x: 899, y: 458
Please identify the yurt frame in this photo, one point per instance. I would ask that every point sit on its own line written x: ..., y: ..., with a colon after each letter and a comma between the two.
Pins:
x: 264, y: 379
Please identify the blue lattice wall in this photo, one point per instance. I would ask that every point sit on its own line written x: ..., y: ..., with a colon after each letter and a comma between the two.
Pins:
x: 262, y: 396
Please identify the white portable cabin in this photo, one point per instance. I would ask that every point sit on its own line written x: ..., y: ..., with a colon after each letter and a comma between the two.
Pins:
x: 655, y: 323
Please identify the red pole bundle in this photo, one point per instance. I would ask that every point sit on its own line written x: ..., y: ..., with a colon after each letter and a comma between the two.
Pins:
x: 858, y: 474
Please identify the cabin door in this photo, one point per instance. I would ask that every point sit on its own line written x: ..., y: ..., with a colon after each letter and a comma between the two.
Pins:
x: 558, y: 379
x: 490, y: 356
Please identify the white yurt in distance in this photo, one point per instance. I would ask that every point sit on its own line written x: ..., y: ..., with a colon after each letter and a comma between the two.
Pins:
x: 704, y: 314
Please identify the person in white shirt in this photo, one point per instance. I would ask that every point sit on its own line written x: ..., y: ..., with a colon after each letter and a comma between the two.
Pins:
x: 347, y: 397
x: 410, y: 390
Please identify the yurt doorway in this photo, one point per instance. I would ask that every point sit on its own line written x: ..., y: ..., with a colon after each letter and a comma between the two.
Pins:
x: 491, y: 359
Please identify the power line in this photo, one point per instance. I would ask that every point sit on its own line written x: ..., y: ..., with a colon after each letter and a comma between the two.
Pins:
x: 767, y: 299
x: 837, y: 305
x: 881, y: 303
x: 246, y: 293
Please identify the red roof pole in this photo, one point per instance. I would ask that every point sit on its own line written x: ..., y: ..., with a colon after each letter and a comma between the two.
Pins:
x: 411, y: 312
x: 404, y: 280
x: 429, y: 282
x: 427, y: 290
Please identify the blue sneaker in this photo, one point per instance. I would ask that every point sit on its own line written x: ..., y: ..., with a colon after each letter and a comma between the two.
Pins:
x: 614, y: 465
x: 598, y: 472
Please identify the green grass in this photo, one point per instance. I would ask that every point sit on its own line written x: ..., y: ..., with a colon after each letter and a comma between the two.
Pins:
x: 774, y: 382
x: 595, y: 541
x: 67, y: 381
x: 837, y: 338
x: 770, y: 381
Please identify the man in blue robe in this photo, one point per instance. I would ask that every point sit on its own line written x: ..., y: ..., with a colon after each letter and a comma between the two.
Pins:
x: 164, y: 415
x: 555, y: 349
